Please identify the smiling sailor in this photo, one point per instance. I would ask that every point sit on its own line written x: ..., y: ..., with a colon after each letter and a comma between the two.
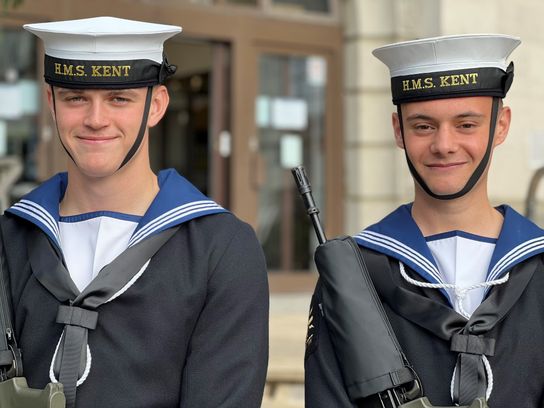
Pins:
x: 461, y: 281
x: 131, y: 289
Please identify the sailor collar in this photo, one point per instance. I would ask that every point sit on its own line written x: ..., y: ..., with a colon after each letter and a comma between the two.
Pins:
x: 178, y: 201
x: 398, y: 236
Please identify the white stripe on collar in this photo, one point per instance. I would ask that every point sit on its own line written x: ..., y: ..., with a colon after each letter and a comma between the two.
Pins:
x: 39, y: 213
x: 535, y: 245
x: 403, y: 251
x: 176, y: 215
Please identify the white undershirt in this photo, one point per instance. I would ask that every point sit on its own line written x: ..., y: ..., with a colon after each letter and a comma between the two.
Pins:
x: 90, y: 244
x: 463, y: 261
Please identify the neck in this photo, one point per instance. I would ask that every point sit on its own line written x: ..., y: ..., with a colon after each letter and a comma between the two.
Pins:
x: 471, y: 213
x: 117, y: 192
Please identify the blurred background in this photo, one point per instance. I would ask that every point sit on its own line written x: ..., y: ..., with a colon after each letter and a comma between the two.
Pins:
x: 263, y: 86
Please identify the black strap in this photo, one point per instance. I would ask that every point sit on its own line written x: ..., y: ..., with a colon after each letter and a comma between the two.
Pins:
x: 10, y: 355
x: 143, y: 128
x: 5, y: 310
x: 79, y: 315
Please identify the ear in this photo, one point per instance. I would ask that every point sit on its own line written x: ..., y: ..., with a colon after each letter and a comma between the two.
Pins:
x: 159, y: 103
x: 397, y: 130
x: 503, y: 124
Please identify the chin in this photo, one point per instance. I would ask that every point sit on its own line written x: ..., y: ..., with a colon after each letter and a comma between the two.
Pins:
x: 95, y: 171
x: 442, y: 190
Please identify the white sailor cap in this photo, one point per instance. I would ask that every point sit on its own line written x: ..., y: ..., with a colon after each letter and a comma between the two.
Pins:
x: 449, y: 66
x: 104, y: 52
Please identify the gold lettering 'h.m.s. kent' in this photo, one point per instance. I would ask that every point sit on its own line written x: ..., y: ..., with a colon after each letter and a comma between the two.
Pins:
x: 71, y: 70
x: 441, y: 82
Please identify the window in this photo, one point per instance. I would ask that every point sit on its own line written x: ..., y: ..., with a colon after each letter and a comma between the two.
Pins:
x: 321, y: 6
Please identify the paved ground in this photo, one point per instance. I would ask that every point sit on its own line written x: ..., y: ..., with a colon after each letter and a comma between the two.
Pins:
x: 288, y: 321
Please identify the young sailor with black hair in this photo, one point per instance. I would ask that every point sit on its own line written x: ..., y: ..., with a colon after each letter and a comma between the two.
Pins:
x: 460, y: 280
x: 129, y: 288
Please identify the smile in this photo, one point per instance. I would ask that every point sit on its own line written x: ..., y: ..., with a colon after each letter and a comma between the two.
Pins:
x: 96, y: 139
x: 445, y: 166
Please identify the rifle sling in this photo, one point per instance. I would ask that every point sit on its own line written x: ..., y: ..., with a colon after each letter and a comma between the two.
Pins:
x: 10, y: 355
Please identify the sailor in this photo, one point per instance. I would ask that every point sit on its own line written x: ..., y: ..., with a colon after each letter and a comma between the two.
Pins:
x: 460, y: 280
x: 130, y: 288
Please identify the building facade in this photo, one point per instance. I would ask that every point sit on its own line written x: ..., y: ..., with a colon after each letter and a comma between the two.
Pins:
x: 265, y: 85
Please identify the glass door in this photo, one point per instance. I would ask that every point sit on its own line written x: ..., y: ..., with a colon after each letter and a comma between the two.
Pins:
x: 290, y: 117
x: 194, y: 135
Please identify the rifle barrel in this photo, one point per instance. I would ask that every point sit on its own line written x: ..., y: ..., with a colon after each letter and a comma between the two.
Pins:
x: 305, y: 190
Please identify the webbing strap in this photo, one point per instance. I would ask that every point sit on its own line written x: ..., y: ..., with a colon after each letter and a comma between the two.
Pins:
x: 10, y: 355
x: 74, y: 338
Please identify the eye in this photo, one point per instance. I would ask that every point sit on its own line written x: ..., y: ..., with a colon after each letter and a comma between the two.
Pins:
x: 73, y: 99
x: 121, y: 98
x: 423, y: 127
x: 467, y: 126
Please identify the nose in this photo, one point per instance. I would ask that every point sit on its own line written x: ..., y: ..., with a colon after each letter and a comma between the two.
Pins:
x: 96, y: 116
x: 444, y: 141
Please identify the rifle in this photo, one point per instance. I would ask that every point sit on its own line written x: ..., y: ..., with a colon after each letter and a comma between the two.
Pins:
x: 374, y: 368
x: 14, y: 390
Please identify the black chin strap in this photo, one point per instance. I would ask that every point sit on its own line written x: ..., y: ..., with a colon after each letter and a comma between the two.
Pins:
x: 141, y: 132
x: 138, y: 140
x: 477, y: 173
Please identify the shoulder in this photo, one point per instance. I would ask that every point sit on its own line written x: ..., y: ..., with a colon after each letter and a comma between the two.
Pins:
x: 221, y: 229
x: 228, y: 242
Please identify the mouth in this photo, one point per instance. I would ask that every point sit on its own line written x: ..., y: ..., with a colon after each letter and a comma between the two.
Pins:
x: 445, y: 166
x: 96, y: 139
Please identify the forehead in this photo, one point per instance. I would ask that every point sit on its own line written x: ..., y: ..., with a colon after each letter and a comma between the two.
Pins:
x: 449, y: 107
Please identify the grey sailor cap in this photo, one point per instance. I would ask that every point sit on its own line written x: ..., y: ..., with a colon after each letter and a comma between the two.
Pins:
x: 449, y: 66
x: 104, y: 52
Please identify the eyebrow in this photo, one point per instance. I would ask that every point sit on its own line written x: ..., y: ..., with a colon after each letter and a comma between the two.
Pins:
x: 64, y: 91
x: 129, y: 92
x: 112, y: 92
x: 464, y: 115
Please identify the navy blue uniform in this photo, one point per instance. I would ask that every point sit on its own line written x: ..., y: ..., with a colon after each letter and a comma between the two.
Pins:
x: 191, y: 330
x: 517, y: 365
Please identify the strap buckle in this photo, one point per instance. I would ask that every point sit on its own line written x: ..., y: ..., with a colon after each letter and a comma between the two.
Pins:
x: 11, y: 361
